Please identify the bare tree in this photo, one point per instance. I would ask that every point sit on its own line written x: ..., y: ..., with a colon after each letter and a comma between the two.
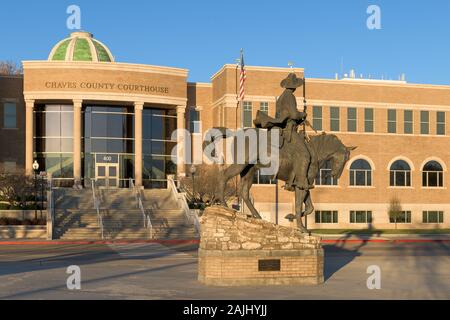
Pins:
x: 206, y: 184
x: 10, y: 68
x: 16, y: 188
x: 395, y: 210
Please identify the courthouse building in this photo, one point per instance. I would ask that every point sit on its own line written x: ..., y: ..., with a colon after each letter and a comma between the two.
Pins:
x: 83, y: 116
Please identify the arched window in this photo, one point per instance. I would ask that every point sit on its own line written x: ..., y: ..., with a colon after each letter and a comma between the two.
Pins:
x: 433, y: 175
x: 400, y: 173
x: 324, y: 177
x: 360, y: 173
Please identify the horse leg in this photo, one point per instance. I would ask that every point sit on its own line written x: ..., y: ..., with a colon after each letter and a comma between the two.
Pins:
x: 309, y: 206
x: 230, y: 172
x: 246, y: 184
x: 300, y: 196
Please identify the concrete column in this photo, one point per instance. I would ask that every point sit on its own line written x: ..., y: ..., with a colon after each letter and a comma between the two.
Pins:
x: 181, y: 140
x: 29, y: 134
x: 77, y: 105
x: 138, y: 162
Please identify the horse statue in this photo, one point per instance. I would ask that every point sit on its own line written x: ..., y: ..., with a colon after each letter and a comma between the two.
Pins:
x: 297, y: 162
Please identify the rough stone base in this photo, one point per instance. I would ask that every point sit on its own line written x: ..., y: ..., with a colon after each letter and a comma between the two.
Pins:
x: 241, y: 268
x: 236, y: 250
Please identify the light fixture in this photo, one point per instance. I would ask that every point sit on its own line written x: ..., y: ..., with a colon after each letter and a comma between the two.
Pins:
x: 35, y: 165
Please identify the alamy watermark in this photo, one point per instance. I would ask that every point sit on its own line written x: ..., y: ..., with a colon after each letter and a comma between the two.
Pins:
x: 74, y: 280
x: 227, y: 147
x: 74, y: 20
x: 374, y: 280
x: 374, y: 19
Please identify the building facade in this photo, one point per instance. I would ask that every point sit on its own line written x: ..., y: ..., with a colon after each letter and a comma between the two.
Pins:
x: 85, y: 117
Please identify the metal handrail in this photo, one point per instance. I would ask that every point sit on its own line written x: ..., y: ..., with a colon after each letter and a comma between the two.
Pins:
x: 190, y: 215
x: 97, y: 207
x: 140, y: 205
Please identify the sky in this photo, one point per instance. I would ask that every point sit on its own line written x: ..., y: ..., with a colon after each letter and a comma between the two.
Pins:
x: 322, y: 36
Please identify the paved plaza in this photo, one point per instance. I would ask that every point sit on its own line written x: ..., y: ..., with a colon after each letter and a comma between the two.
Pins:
x: 156, y: 271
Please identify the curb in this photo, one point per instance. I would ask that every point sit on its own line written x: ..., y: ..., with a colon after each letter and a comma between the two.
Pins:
x: 94, y: 242
x: 328, y: 241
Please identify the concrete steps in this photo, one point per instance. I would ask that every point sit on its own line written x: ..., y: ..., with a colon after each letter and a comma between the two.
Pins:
x: 76, y: 218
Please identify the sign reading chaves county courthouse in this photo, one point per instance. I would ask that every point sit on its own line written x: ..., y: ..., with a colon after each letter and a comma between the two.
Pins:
x: 107, y: 86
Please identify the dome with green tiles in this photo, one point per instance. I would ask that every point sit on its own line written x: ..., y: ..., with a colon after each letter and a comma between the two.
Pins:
x: 81, y: 46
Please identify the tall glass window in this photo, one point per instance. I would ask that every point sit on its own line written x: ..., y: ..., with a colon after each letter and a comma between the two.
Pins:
x: 109, y: 130
x: 248, y: 114
x: 440, y: 123
x: 334, y: 119
x: 158, y: 127
x: 317, y: 118
x: 368, y: 120
x: 10, y: 115
x: 408, y: 122
x: 424, y: 122
x: 53, y: 142
x: 351, y: 120
x: 194, y: 121
x: 392, y: 121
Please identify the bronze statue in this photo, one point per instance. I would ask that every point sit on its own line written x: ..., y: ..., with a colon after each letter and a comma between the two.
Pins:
x: 289, y: 119
x: 300, y: 159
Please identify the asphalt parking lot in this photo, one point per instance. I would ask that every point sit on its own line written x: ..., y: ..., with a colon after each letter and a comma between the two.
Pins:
x: 156, y: 271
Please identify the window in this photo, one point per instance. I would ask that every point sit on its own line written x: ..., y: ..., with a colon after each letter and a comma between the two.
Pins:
x: 400, y: 174
x: 424, y: 122
x: 326, y: 217
x: 262, y: 179
x: 402, y: 217
x: 351, y: 120
x: 194, y: 121
x: 360, y: 216
x: 440, y: 123
x: 334, y: 119
x: 264, y: 107
x: 10, y: 116
x: 392, y: 121
x: 360, y: 173
x: 324, y: 177
x: 317, y: 118
x: 433, y: 217
x: 368, y: 120
x: 248, y: 114
x: 433, y: 175
x: 408, y: 122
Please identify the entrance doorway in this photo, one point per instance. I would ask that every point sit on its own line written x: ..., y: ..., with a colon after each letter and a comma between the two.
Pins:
x: 107, y: 171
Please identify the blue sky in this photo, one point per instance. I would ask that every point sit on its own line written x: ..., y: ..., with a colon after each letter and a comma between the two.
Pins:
x: 203, y: 35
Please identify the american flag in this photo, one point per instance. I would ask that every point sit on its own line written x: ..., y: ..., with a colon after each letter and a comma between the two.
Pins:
x: 243, y: 78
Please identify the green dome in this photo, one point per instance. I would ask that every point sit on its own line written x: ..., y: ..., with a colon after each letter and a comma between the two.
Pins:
x: 81, y: 46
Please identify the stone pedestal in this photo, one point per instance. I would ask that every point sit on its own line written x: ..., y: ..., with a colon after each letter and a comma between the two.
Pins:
x: 236, y: 250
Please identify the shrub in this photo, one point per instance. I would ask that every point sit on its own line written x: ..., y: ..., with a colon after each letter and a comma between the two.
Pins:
x: 17, y: 222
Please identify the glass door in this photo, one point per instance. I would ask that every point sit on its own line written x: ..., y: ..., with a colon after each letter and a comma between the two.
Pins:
x: 107, y: 175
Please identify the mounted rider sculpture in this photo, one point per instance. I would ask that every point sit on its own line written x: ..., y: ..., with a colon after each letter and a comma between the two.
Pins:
x: 300, y: 156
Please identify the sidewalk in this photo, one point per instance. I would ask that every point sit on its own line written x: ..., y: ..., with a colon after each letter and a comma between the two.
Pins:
x: 326, y: 239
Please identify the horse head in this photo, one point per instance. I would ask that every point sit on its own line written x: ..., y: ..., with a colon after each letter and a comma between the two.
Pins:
x: 331, y: 148
x: 339, y: 159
